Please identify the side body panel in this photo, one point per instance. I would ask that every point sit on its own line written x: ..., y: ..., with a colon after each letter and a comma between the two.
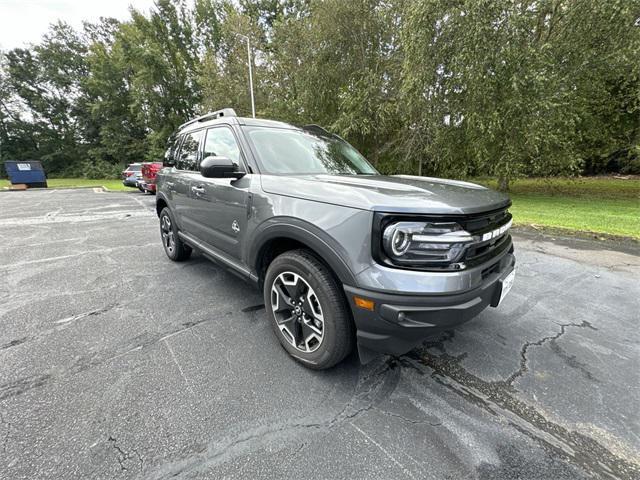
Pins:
x: 220, y: 211
x: 183, y: 203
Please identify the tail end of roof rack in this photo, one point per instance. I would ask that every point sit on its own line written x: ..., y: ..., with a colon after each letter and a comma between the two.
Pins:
x: 225, y: 112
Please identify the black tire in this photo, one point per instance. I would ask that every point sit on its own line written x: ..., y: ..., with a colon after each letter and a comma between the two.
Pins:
x: 175, y: 248
x: 337, y: 326
x: 141, y: 189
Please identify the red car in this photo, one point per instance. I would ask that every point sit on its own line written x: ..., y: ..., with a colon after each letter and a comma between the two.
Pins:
x: 149, y: 173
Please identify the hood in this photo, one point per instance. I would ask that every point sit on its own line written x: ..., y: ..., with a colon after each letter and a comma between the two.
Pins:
x: 396, y: 193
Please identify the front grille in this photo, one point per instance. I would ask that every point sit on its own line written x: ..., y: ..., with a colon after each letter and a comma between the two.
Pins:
x: 478, y: 254
x: 478, y: 225
x: 484, y: 222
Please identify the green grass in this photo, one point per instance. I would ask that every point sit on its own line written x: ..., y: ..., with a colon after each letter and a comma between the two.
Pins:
x: 620, y: 217
x: 114, y: 185
x: 601, y: 205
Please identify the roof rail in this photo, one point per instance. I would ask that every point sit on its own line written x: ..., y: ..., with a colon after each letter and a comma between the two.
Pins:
x: 225, y: 112
x: 316, y: 128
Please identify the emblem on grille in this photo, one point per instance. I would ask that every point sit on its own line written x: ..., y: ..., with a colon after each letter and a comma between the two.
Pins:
x: 235, y: 227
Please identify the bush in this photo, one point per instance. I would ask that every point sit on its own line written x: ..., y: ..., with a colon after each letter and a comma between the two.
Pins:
x: 99, y: 169
x: 631, y: 163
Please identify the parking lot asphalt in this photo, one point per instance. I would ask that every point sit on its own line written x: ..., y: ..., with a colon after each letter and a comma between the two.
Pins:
x: 117, y: 363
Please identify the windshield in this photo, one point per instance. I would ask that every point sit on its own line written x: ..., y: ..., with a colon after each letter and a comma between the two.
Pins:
x: 288, y: 151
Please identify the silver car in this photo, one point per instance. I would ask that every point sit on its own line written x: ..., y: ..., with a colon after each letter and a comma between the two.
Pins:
x: 132, y: 175
x: 345, y: 257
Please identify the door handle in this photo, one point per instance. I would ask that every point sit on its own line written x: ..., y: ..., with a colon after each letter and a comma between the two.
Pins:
x: 198, y: 190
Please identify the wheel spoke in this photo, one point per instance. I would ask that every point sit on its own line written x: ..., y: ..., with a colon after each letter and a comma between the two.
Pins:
x: 292, y: 326
x: 311, y: 307
x: 287, y: 321
x: 310, y: 337
x: 306, y: 307
x: 284, y: 302
x: 301, y: 288
x: 290, y: 290
x: 309, y: 329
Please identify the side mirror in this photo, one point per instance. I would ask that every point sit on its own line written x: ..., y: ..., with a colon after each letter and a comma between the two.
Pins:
x: 219, y: 167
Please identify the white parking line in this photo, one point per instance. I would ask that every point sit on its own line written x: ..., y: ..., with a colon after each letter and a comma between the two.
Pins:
x: 383, y: 450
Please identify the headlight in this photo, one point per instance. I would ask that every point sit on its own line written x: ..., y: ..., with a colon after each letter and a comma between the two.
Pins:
x: 422, y: 243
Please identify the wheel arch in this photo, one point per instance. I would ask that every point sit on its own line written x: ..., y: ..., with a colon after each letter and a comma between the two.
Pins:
x: 276, y: 237
x: 161, y: 203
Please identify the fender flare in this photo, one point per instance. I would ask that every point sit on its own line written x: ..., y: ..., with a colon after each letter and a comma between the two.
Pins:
x: 328, y: 249
x: 161, y: 196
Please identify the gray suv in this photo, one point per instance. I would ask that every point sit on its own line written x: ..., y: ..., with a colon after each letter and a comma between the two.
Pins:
x: 344, y: 256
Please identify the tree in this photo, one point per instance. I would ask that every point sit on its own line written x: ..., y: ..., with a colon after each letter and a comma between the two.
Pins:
x: 45, y: 82
x: 515, y: 88
x: 224, y: 73
x: 473, y: 87
x: 337, y: 64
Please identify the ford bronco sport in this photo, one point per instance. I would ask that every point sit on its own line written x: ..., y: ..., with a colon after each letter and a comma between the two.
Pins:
x: 344, y: 256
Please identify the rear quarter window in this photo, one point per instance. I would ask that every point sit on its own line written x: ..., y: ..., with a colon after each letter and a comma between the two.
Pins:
x: 187, y: 159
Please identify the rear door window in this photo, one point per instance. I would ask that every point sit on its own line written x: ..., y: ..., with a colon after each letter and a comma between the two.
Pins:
x: 188, y: 157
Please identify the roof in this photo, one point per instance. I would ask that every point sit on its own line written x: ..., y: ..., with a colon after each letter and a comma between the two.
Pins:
x: 257, y: 122
x: 260, y: 122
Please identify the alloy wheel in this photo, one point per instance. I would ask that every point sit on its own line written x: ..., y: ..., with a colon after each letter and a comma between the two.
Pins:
x: 168, y: 240
x: 297, y: 311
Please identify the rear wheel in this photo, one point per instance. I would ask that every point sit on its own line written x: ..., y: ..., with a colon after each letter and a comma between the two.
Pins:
x: 175, y: 248
x: 307, y: 310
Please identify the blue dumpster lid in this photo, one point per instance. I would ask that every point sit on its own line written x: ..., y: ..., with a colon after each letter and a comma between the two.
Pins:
x: 23, y: 165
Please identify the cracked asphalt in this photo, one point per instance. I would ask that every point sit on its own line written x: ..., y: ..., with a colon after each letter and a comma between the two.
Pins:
x: 117, y: 363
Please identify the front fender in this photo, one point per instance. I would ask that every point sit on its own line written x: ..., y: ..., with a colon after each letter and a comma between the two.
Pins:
x: 327, y: 248
x: 160, y: 197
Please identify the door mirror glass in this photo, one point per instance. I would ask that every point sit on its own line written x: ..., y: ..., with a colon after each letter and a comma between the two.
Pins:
x: 219, y: 167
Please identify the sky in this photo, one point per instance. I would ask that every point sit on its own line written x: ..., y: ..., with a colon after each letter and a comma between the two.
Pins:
x: 25, y: 21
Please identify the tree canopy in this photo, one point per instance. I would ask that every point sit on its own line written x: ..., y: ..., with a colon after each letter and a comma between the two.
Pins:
x: 465, y: 88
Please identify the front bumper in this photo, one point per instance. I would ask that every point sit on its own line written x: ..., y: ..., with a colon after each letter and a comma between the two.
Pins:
x: 130, y: 182
x: 399, y: 322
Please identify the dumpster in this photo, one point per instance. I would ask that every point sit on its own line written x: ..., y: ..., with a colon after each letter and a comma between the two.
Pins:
x: 26, y: 172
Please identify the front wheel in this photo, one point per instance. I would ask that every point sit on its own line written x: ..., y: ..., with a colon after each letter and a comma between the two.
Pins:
x: 307, y: 309
x: 175, y: 248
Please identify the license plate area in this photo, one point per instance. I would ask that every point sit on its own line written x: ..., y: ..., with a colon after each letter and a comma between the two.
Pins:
x: 506, y: 283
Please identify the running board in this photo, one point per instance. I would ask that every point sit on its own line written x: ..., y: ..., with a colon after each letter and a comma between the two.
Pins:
x: 218, y: 257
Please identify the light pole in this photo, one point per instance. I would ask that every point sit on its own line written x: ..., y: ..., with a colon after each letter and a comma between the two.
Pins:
x: 253, y: 105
